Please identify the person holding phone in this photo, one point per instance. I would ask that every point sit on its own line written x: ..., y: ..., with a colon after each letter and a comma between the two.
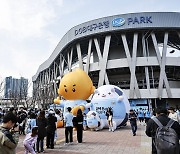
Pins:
x: 9, y: 134
x: 133, y: 121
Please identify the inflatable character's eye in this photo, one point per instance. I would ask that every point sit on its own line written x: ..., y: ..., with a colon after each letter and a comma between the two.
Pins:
x: 109, y: 93
x: 65, y: 90
x: 74, y: 88
x: 98, y: 94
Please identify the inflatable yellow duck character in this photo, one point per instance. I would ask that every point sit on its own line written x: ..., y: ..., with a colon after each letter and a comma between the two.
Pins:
x: 75, y: 87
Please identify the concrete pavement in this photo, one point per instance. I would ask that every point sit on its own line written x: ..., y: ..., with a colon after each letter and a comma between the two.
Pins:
x: 102, y: 142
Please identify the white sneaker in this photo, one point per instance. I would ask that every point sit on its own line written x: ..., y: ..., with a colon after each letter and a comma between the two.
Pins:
x: 65, y: 143
x: 71, y: 143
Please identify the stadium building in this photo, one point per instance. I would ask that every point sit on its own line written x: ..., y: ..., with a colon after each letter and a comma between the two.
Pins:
x: 139, y: 52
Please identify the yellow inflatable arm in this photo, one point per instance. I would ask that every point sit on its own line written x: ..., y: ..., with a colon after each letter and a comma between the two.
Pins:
x: 57, y: 100
x: 76, y: 108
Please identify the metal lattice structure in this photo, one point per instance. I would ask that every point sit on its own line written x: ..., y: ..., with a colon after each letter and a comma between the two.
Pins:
x: 133, y: 55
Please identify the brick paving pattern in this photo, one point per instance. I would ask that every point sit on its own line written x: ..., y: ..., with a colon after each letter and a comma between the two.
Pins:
x: 102, y: 142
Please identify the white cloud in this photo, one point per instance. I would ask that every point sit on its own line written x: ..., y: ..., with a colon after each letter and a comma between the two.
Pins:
x: 25, y: 40
x: 5, y: 17
x: 25, y: 18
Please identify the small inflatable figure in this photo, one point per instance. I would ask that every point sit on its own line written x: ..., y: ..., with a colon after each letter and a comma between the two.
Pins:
x: 108, y: 96
x: 75, y: 87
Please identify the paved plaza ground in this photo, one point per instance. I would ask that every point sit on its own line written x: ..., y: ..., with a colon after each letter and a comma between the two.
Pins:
x: 102, y: 142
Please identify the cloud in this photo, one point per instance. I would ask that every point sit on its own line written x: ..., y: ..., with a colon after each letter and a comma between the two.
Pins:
x: 26, y: 18
x: 25, y: 39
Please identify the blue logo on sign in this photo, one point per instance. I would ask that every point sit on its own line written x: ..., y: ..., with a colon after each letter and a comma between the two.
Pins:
x: 118, y: 22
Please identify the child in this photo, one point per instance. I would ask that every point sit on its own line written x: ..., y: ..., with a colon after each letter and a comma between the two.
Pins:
x: 30, y: 140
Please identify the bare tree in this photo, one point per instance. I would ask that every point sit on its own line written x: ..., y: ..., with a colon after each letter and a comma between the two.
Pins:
x: 1, y: 86
x: 46, y: 96
x: 1, y: 89
x: 43, y: 94
x: 26, y: 100
x: 13, y: 98
x: 21, y: 95
x: 36, y: 94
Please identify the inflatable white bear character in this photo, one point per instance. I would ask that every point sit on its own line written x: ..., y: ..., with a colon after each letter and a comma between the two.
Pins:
x: 104, y: 97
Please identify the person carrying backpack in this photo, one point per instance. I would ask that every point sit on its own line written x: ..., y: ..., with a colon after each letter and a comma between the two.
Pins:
x: 165, y: 133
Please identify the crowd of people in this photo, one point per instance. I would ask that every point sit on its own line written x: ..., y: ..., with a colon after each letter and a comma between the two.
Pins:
x: 39, y: 124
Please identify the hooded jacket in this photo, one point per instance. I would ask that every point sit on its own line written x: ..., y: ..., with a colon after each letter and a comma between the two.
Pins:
x: 8, y: 141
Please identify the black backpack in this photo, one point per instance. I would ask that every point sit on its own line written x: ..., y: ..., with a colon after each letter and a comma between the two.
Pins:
x: 166, y: 139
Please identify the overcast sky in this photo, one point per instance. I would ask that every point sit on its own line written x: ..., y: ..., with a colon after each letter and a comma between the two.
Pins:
x: 31, y: 29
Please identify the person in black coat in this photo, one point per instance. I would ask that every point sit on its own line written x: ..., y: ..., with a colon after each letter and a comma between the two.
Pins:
x: 161, y: 114
x: 133, y: 121
x: 78, y: 120
x: 22, y: 115
x: 51, y: 128
x: 41, y: 122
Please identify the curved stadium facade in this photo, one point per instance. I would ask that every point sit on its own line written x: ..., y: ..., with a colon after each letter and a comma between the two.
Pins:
x: 139, y: 52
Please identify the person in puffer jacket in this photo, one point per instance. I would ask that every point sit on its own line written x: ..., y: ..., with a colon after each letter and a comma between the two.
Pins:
x: 30, y: 140
x: 9, y: 134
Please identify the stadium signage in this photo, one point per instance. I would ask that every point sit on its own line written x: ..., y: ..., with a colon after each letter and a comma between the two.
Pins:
x: 140, y: 20
x: 92, y: 27
x: 118, y: 22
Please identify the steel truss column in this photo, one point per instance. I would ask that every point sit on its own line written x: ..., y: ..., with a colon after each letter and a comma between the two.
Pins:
x: 43, y: 77
x: 55, y: 71
x: 55, y: 79
x: 48, y: 84
x: 46, y: 91
x: 178, y: 34
x: 40, y: 82
x: 79, y: 56
x: 69, y: 55
x: 162, y: 63
x: 61, y: 65
x: 103, y: 60
x: 132, y: 65
x: 40, y: 88
x: 88, y: 56
x: 146, y: 67
x: 51, y: 87
x: 49, y: 76
x: 100, y: 58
